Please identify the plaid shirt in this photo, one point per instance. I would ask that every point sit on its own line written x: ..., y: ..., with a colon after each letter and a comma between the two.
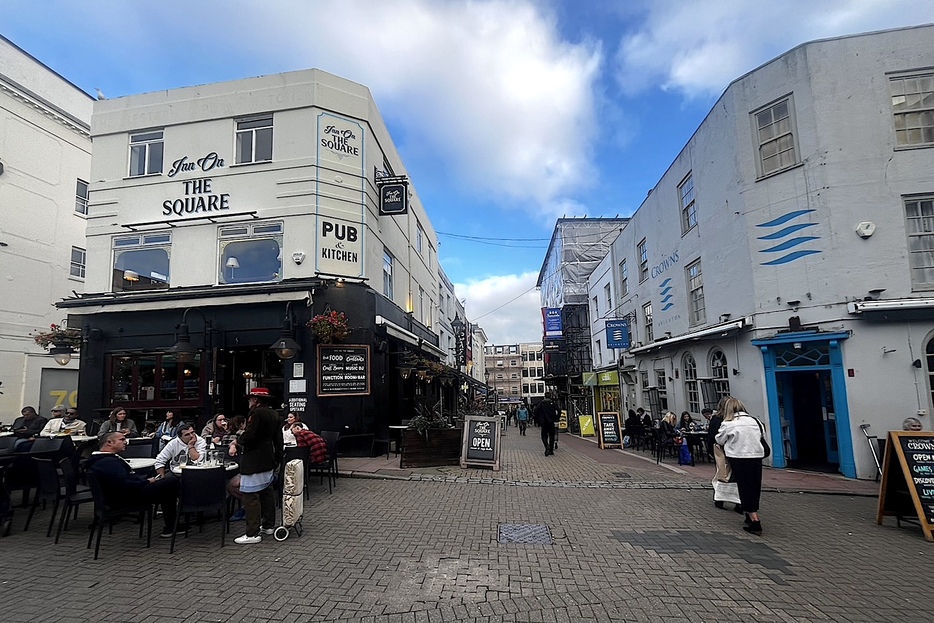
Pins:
x: 319, y: 447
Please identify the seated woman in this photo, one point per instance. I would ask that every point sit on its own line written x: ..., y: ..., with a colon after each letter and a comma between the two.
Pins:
x: 667, y: 426
x: 686, y: 421
x: 216, y: 429
x: 167, y: 429
x: 118, y: 422
x: 291, y: 420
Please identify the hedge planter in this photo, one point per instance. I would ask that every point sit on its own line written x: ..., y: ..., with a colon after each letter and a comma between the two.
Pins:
x: 443, y: 447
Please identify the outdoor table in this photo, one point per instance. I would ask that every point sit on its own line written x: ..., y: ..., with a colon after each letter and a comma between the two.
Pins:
x: 400, y: 431
x: 230, y: 467
x: 8, y: 433
x: 82, y: 438
x: 140, y: 464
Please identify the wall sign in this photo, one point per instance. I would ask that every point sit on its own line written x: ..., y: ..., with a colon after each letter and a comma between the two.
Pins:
x: 198, y: 196
x: 907, y: 489
x: 343, y: 369
x: 552, y: 317
x: 340, y: 247
x: 609, y: 433
x: 481, y: 442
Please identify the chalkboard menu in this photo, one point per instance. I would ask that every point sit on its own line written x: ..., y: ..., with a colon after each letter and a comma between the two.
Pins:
x: 481, y: 442
x: 907, y: 489
x: 343, y: 369
x: 608, y: 430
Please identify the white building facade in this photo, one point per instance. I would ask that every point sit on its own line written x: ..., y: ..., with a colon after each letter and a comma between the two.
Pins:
x: 785, y: 256
x: 45, y: 163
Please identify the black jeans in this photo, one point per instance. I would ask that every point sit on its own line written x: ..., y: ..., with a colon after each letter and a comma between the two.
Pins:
x: 260, y: 508
x: 548, y: 436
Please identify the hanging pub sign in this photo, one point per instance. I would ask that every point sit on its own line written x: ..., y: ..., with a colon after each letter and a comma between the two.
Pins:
x: 393, y: 196
x: 343, y: 369
x: 617, y: 334
x: 460, y: 344
x: 481, y: 442
x: 907, y: 490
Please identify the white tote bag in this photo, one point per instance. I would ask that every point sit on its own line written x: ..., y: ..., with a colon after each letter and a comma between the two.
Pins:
x: 725, y: 491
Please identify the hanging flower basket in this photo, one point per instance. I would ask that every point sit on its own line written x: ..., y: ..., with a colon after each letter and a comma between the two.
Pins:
x: 58, y: 336
x: 329, y: 327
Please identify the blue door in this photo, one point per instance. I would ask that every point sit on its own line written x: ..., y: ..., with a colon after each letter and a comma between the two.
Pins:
x: 830, y: 417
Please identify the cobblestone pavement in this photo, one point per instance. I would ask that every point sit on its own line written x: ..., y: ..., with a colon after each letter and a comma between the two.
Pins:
x: 428, y: 547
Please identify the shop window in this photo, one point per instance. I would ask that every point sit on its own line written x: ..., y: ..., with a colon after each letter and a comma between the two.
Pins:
x: 154, y: 380
x: 251, y: 253
x: 720, y: 374
x: 661, y: 382
x: 146, y: 149
x: 690, y: 383
x: 141, y: 262
x: 254, y: 140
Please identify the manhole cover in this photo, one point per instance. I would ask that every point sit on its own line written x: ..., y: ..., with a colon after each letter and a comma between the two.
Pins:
x: 621, y: 475
x: 534, y: 534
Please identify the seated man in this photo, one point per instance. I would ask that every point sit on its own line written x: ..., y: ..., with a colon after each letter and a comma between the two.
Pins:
x: 121, y: 486
x: 318, y: 452
x: 29, y: 425
x: 186, y: 445
x: 69, y: 424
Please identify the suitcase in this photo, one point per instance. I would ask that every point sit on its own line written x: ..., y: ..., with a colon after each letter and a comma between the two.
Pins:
x: 293, y: 502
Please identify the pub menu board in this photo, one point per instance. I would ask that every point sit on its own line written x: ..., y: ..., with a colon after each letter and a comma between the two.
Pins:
x: 608, y: 430
x: 343, y: 369
x: 908, y: 479
x: 481, y: 442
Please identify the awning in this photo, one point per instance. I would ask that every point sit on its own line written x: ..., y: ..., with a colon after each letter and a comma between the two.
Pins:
x: 213, y: 301
x: 890, y: 305
x: 408, y: 337
x: 718, y: 330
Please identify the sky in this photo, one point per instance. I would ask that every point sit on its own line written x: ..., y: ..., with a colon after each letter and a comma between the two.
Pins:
x: 508, y: 114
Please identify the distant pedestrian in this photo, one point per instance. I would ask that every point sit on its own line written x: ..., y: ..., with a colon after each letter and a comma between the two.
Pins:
x: 522, y: 418
x: 741, y: 438
x: 546, y: 416
x: 723, y: 489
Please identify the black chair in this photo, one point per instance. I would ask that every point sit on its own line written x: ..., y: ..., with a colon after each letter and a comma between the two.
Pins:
x: 6, y: 445
x: 75, y: 495
x: 328, y: 467
x: 379, y: 440
x: 105, y: 512
x: 142, y: 450
x: 663, y: 444
x: 49, y: 489
x: 201, y: 490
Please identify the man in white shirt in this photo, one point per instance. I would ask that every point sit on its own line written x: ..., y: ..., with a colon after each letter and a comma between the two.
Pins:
x: 67, y: 424
x: 185, y: 444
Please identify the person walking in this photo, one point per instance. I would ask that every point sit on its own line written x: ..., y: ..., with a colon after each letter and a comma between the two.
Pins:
x: 260, y: 448
x: 546, y: 416
x: 741, y: 437
x: 522, y: 418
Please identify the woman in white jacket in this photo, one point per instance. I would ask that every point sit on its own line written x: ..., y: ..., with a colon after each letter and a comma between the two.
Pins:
x: 741, y: 439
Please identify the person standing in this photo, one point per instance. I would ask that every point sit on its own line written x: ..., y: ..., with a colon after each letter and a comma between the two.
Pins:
x: 546, y: 415
x: 522, y: 418
x: 260, y: 448
x: 741, y: 437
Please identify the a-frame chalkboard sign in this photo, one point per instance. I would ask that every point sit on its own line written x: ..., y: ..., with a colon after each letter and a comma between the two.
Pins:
x: 481, y: 439
x: 907, y: 490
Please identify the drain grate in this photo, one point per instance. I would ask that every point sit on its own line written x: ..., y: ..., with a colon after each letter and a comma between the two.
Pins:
x: 622, y: 475
x: 534, y: 534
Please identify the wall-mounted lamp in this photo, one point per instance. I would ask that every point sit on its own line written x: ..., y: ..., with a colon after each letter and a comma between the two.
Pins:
x: 298, y: 257
x: 405, y: 371
x: 735, y: 371
x: 286, y: 347
x: 724, y: 317
x: 183, y: 349
x: 61, y: 353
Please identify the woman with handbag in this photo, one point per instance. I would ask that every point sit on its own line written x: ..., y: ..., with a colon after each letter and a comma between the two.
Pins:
x: 724, y: 489
x: 742, y: 438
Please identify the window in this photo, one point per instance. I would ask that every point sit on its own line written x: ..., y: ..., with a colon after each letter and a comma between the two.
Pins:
x: 422, y: 316
x: 623, y: 279
x: 599, y: 354
x: 250, y: 253
x: 644, y: 381
x: 690, y: 383
x: 696, y: 309
x: 662, y: 384
x: 647, y: 319
x: 141, y: 262
x: 419, y: 237
x: 78, y: 261
x: 254, y: 140
x: 608, y: 297
x: 643, y: 261
x: 525, y: 388
x: 387, y: 274
x: 913, y: 107
x: 146, y: 153
x: 720, y: 374
x: 919, y: 213
x: 81, y: 197
x: 775, y: 138
x: 596, y: 308
x: 688, y: 209
x: 153, y: 380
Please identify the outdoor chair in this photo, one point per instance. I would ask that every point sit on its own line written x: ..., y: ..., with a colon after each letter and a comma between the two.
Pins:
x: 105, y: 512
x: 142, y: 450
x: 75, y: 495
x: 328, y: 467
x: 202, y: 490
x: 663, y: 444
x: 49, y: 489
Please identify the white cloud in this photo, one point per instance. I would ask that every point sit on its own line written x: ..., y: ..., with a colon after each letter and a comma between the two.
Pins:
x: 697, y: 48
x: 520, y: 317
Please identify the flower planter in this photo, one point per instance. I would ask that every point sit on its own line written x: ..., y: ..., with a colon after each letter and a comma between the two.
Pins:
x: 443, y: 447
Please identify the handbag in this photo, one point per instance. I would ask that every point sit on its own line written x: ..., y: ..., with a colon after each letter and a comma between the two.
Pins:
x: 724, y: 472
x: 765, y: 444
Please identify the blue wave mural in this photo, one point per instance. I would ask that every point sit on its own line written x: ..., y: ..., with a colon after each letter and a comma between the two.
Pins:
x: 665, y: 292
x: 786, y: 242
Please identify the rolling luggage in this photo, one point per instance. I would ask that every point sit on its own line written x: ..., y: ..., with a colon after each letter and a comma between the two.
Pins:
x: 293, y: 501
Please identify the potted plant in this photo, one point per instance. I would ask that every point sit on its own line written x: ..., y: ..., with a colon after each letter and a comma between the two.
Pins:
x: 430, y: 441
x: 329, y: 327
x: 58, y: 336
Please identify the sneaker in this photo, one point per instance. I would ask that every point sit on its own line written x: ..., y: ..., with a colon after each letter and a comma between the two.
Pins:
x: 267, y: 531
x: 167, y: 532
x: 248, y: 540
x: 240, y: 515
